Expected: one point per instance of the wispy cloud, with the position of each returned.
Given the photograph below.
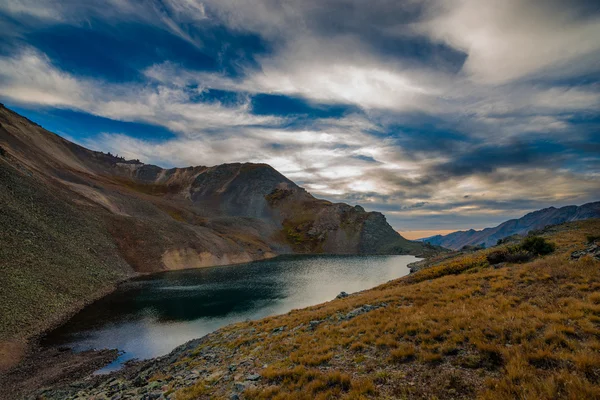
(516, 39)
(479, 110)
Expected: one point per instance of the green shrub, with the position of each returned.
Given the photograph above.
(519, 256)
(473, 247)
(592, 238)
(537, 245)
(509, 239)
(497, 257)
(511, 254)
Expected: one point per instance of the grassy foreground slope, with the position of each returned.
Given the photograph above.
(54, 258)
(459, 329)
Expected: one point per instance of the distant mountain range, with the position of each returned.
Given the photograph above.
(534, 220)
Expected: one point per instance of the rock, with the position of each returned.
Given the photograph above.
(363, 309)
(593, 250)
(417, 266)
(155, 385)
(234, 396)
(232, 367)
(215, 376)
(280, 329)
(253, 377)
(139, 382)
(342, 295)
(240, 386)
(249, 360)
(313, 324)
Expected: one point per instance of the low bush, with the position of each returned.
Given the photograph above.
(593, 238)
(519, 256)
(509, 239)
(497, 257)
(473, 248)
(525, 251)
(511, 255)
(537, 245)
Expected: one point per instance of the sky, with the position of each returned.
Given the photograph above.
(442, 114)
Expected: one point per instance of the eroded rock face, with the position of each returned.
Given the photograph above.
(190, 258)
(311, 225)
(377, 236)
(238, 189)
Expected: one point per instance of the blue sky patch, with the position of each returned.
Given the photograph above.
(81, 126)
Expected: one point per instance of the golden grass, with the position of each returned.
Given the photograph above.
(193, 392)
(460, 329)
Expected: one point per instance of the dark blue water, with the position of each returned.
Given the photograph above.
(151, 315)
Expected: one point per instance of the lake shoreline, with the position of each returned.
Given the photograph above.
(33, 363)
(24, 347)
(149, 316)
(96, 359)
(29, 343)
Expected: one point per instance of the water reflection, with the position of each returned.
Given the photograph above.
(151, 315)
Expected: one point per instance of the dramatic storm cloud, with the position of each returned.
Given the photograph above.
(443, 114)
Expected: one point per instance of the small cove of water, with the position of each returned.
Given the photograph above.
(151, 315)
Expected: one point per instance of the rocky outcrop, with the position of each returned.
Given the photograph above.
(310, 225)
(592, 250)
(522, 226)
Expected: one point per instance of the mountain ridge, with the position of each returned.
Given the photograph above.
(534, 220)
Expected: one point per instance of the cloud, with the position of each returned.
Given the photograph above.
(431, 111)
(514, 39)
(32, 8)
(172, 15)
(29, 77)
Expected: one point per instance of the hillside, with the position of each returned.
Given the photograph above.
(521, 226)
(76, 221)
(460, 329)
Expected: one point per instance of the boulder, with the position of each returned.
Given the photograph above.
(363, 309)
(593, 250)
(253, 377)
